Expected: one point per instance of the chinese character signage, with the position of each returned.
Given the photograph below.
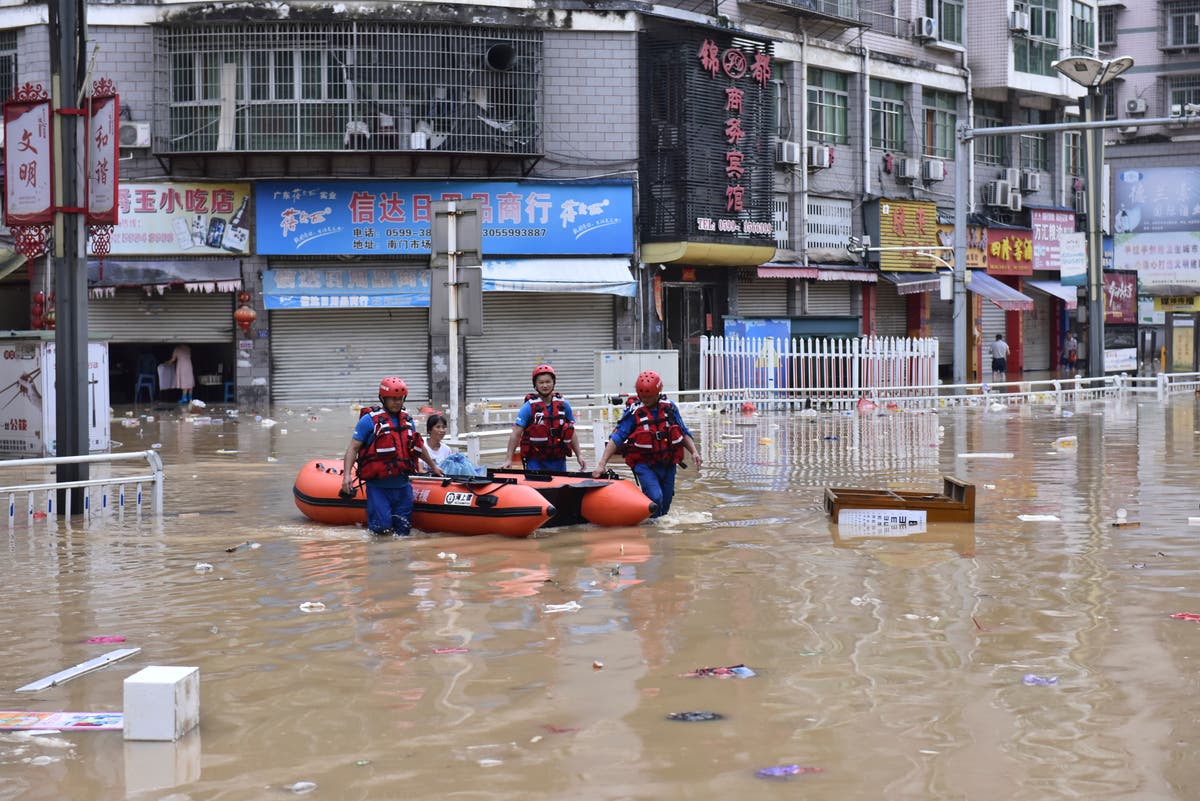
(1166, 263)
(1009, 251)
(1072, 259)
(27, 162)
(1156, 228)
(182, 219)
(344, 288)
(390, 218)
(1048, 225)
(913, 226)
(103, 162)
(1120, 298)
(1176, 303)
(976, 245)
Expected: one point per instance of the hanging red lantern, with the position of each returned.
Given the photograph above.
(243, 298)
(245, 317)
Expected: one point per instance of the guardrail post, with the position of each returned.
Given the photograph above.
(1161, 380)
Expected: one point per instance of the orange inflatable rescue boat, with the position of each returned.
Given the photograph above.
(454, 505)
(579, 498)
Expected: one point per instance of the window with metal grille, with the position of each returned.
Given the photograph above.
(1035, 51)
(354, 85)
(941, 118)
(887, 115)
(1083, 29)
(1182, 29)
(1182, 90)
(1108, 26)
(780, 221)
(828, 106)
(1035, 152)
(830, 223)
(8, 63)
(1072, 148)
(990, 149)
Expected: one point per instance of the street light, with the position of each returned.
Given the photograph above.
(1092, 73)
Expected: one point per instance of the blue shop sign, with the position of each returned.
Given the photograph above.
(344, 288)
(391, 218)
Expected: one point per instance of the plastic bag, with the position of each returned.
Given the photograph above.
(456, 464)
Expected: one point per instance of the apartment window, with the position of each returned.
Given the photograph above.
(780, 221)
(781, 108)
(941, 120)
(1108, 93)
(1036, 51)
(285, 87)
(1073, 149)
(990, 149)
(1083, 29)
(1108, 26)
(887, 115)
(1183, 90)
(949, 14)
(828, 106)
(1183, 24)
(8, 63)
(1035, 154)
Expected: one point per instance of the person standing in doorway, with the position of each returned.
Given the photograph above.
(1071, 351)
(185, 379)
(543, 434)
(999, 359)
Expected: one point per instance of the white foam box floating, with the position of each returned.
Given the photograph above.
(162, 702)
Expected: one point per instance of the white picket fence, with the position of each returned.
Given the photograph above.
(818, 372)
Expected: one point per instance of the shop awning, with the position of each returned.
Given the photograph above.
(1067, 294)
(781, 271)
(197, 275)
(912, 283)
(997, 292)
(830, 273)
(607, 276)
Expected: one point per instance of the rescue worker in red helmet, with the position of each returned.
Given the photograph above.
(543, 434)
(383, 452)
(654, 439)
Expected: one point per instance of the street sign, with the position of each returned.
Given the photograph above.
(28, 170)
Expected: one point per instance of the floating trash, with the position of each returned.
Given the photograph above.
(738, 671)
(203, 567)
(300, 788)
(784, 771)
(1186, 616)
(569, 606)
(312, 606)
(1033, 680)
(695, 717)
(105, 639)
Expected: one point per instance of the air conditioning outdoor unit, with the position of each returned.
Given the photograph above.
(133, 134)
(787, 152)
(1031, 182)
(1135, 106)
(820, 157)
(1128, 130)
(1018, 22)
(933, 170)
(1015, 202)
(926, 28)
(1012, 175)
(908, 168)
(997, 193)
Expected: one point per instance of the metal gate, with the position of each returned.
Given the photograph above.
(829, 298)
(174, 316)
(763, 297)
(891, 311)
(1036, 331)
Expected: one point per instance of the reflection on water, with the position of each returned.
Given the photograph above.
(485, 667)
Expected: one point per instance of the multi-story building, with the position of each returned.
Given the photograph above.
(648, 174)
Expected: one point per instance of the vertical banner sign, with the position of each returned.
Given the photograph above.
(1120, 299)
(1048, 226)
(908, 224)
(102, 160)
(28, 168)
(1072, 258)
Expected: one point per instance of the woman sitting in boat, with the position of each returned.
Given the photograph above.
(435, 432)
(545, 428)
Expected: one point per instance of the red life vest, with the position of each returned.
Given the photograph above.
(549, 433)
(654, 440)
(391, 451)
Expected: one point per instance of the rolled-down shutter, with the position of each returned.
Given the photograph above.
(335, 355)
(941, 327)
(829, 299)
(763, 297)
(891, 311)
(523, 329)
(174, 316)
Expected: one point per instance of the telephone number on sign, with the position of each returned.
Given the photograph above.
(514, 231)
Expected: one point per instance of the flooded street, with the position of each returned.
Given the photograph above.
(438, 667)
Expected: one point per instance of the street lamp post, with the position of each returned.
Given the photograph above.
(1092, 73)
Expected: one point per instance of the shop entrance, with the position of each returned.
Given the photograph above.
(684, 309)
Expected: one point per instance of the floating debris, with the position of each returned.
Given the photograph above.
(695, 717)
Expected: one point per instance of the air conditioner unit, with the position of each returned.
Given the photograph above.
(909, 169)
(926, 28)
(1011, 175)
(133, 134)
(787, 152)
(1031, 182)
(1135, 106)
(1081, 202)
(933, 170)
(1015, 202)
(820, 157)
(1018, 22)
(1128, 130)
(997, 193)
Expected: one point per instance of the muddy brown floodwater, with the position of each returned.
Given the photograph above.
(438, 668)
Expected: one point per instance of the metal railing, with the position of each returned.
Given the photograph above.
(101, 495)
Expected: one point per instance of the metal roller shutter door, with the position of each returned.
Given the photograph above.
(336, 355)
(829, 298)
(1035, 332)
(891, 311)
(763, 297)
(175, 316)
(524, 329)
(941, 328)
(990, 324)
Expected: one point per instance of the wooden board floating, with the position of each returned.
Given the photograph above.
(61, 721)
(956, 503)
(78, 670)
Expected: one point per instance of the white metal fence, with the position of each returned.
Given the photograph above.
(109, 494)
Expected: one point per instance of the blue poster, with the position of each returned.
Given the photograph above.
(1156, 199)
(391, 218)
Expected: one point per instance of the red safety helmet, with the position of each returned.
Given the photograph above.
(648, 381)
(544, 369)
(393, 387)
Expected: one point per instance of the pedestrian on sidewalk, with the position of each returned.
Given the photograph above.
(1071, 351)
(543, 435)
(999, 359)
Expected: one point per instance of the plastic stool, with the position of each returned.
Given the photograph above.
(230, 392)
(145, 382)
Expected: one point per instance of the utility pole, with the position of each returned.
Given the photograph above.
(68, 33)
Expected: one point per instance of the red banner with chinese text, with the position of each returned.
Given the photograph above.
(1010, 251)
